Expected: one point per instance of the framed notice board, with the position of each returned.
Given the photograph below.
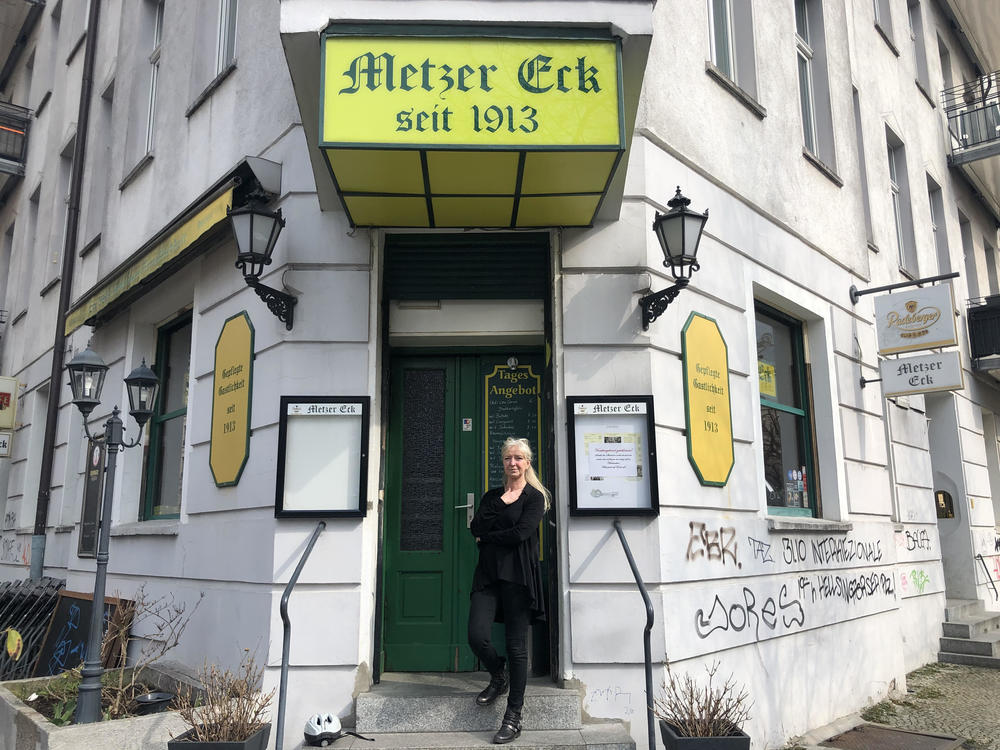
(322, 457)
(93, 486)
(612, 460)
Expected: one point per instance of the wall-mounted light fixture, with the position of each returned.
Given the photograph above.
(679, 232)
(256, 232)
(86, 379)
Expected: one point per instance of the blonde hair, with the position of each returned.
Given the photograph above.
(530, 476)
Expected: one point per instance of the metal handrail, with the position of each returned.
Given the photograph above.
(650, 721)
(989, 577)
(287, 635)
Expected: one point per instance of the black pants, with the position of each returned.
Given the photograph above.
(514, 599)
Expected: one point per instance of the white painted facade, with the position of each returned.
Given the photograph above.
(818, 617)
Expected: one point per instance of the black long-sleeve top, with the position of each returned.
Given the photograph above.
(508, 544)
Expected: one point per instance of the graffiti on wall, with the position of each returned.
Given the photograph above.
(611, 700)
(14, 550)
(713, 544)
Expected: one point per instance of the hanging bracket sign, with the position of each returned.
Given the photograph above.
(927, 373)
(915, 319)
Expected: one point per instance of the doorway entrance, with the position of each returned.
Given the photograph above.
(448, 417)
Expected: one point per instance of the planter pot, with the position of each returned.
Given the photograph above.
(256, 741)
(673, 741)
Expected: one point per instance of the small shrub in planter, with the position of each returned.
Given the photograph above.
(702, 717)
(231, 713)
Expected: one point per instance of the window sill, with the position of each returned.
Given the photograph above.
(872, 246)
(926, 93)
(90, 246)
(19, 317)
(76, 47)
(888, 40)
(210, 88)
(136, 170)
(50, 286)
(814, 525)
(42, 102)
(744, 98)
(147, 528)
(822, 167)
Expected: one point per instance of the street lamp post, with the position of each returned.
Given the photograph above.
(87, 371)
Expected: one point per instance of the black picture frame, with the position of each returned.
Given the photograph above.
(322, 457)
(606, 478)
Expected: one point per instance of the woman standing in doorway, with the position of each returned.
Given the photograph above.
(507, 584)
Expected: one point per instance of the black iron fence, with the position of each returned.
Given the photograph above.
(26, 607)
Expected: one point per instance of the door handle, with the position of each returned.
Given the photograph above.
(470, 508)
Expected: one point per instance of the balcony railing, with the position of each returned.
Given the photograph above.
(983, 315)
(14, 122)
(973, 110)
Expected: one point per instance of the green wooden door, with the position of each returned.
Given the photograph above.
(445, 414)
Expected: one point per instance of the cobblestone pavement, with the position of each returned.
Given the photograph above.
(952, 699)
(944, 699)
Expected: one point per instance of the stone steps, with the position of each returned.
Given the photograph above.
(415, 702)
(588, 737)
(971, 635)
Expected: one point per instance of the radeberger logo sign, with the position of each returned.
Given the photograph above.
(916, 319)
(470, 91)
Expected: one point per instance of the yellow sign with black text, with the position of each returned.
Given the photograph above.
(429, 128)
(232, 390)
(708, 409)
(461, 91)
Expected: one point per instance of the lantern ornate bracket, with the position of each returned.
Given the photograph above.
(256, 232)
(679, 234)
(281, 304)
(655, 304)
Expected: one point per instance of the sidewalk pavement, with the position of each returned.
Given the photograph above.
(958, 700)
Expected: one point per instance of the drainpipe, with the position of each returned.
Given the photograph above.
(65, 295)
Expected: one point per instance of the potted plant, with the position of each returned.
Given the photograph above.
(229, 712)
(702, 717)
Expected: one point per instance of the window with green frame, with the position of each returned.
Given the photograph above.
(167, 428)
(789, 477)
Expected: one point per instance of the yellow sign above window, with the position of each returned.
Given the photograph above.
(431, 130)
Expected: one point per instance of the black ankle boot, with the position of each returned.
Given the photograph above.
(497, 687)
(510, 728)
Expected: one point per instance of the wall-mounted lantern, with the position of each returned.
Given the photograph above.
(679, 233)
(256, 232)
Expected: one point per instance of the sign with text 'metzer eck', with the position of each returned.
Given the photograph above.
(463, 91)
(706, 399)
(915, 319)
(232, 388)
(927, 373)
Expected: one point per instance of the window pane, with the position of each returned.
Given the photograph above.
(805, 98)
(776, 362)
(784, 459)
(175, 386)
(168, 500)
(801, 20)
(720, 25)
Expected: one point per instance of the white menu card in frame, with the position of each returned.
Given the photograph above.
(322, 457)
(612, 462)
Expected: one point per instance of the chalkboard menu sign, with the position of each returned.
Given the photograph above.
(513, 402)
(93, 483)
(65, 642)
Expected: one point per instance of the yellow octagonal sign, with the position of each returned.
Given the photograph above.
(707, 406)
(232, 387)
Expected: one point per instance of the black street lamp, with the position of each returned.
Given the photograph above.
(679, 233)
(86, 378)
(256, 232)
